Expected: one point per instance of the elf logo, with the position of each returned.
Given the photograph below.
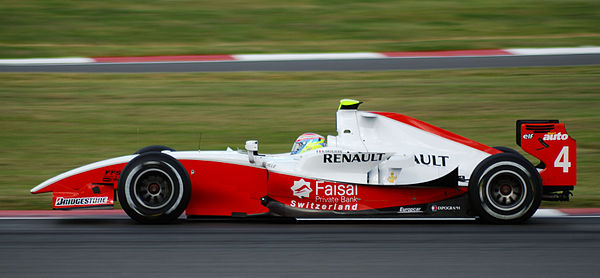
(555, 137)
(528, 136)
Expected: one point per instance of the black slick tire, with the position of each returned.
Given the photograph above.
(505, 188)
(153, 148)
(507, 150)
(154, 188)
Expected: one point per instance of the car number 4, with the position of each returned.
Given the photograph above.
(562, 160)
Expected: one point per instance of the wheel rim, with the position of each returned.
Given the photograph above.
(506, 190)
(153, 189)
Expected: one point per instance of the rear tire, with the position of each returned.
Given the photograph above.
(505, 188)
(154, 188)
(507, 150)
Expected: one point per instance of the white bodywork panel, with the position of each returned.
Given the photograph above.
(369, 149)
(409, 155)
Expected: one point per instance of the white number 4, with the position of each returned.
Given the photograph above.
(563, 160)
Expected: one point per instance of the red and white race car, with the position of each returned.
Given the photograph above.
(379, 166)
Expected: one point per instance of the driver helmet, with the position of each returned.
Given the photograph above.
(307, 142)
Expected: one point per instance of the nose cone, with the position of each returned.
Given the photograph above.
(105, 171)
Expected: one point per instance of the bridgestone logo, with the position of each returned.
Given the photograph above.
(61, 202)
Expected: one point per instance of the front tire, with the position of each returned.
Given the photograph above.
(154, 188)
(505, 188)
(153, 148)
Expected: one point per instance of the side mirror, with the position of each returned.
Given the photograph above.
(252, 145)
(252, 148)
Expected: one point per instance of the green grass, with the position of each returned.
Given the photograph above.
(52, 123)
(51, 28)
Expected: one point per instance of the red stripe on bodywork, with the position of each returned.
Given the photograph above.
(180, 58)
(438, 131)
(449, 53)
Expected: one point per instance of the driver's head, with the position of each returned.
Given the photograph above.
(307, 142)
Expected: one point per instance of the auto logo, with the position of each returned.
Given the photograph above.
(301, 188)
(553, 136)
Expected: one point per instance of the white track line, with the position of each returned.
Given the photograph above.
(555, 50)
(543, 213)
(311, 56)
(50, 61)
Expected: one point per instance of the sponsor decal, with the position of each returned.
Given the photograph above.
(339, 189)
(435, 208)
(352, 157)
(111, 176)
(410, 210)
(392, 178)
(301, 189)
(318, 206)
(327, 195)
(528, 136)
(553, 136)
(431, 160)
(329, 151)
(61, 201)
(271, 165)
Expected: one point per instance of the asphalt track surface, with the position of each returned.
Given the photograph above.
(543, 247)
(320, 65)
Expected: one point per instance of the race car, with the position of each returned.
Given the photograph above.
(380, 165)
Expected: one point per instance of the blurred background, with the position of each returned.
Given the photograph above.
(52, 123)
(57, 28)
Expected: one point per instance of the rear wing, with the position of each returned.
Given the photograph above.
(548, 141)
